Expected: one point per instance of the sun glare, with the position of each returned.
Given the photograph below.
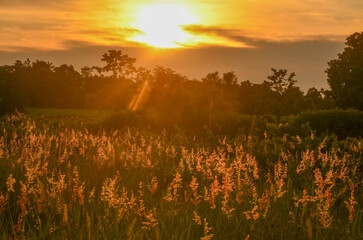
(162, 25)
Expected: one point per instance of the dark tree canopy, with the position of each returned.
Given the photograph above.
(345, 74)
(119, 64)
(170, 97)
(279, 81)
(282, 85)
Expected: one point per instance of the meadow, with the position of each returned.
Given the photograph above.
(60, 182)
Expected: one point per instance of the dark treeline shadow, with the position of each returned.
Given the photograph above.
(171, 99)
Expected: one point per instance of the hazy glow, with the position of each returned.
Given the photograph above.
(162, 24)
(66, 24)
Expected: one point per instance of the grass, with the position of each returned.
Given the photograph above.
(69, 116)
(64, 183)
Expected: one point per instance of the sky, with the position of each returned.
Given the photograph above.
(191, 37)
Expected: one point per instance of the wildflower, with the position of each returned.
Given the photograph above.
(194, 186)
(206, 196)
(91, 195)
(3, 201)
(10, 183)
(153, 185)
(214, 191)
(141, 208)
(305, 199)
(264, 203)
(78, 188)
(109, 192)
(324, 197)
(319, 182)
(150, 221)
(343, 172)
(196, 218)
(61, 184)
(280, 171)
(253, 213)
(226, 209)
(18, 226)
(207, 229)
(173, 188)
(350, 205)
(140, 191)
(324, 215)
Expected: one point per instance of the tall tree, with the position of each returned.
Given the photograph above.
(280, 82)
(121, 65)
(230, 78)
(345, 74)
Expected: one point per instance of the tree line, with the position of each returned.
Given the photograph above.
(40, 84)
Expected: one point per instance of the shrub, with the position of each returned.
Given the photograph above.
(342, 123)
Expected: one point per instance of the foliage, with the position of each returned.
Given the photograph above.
(282, 86)
(69, 117)
(279, 82)
(119, 64)
(59, 183)
(342, 123)
(345, 74)
(40, 84)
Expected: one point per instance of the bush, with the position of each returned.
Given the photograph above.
(342, 123)
(123, 120)
(191, 123)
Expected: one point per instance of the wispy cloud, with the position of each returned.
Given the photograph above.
(48, 24)
(237, 35)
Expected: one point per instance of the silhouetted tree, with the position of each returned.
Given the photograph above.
(119, 64)
(279, 82)
(230, 78)
(13, 88)
(256, 98)
(69, 87)
(212, 79)
(345, 74)
(320, 98)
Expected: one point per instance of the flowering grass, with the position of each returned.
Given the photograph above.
(74, 184)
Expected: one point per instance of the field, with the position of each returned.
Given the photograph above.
(69, 117)
(59, 182)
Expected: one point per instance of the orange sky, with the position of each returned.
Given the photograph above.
(38, 27)
(52, 24)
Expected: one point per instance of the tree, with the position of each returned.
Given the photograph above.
(212, 79)
(320, 98)
(13, 87)
(119, 64)
(230, 78)
(281, 84)
(279, 81)
(345, 74)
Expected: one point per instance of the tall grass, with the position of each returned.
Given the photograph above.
(58, 183)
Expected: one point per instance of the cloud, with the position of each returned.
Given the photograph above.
(227, 33)
(106, 31)
(38, 3)
(237, 35)
(73, 44)
(26, 25)
(15, 49)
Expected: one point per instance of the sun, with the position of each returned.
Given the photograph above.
(162, 25)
